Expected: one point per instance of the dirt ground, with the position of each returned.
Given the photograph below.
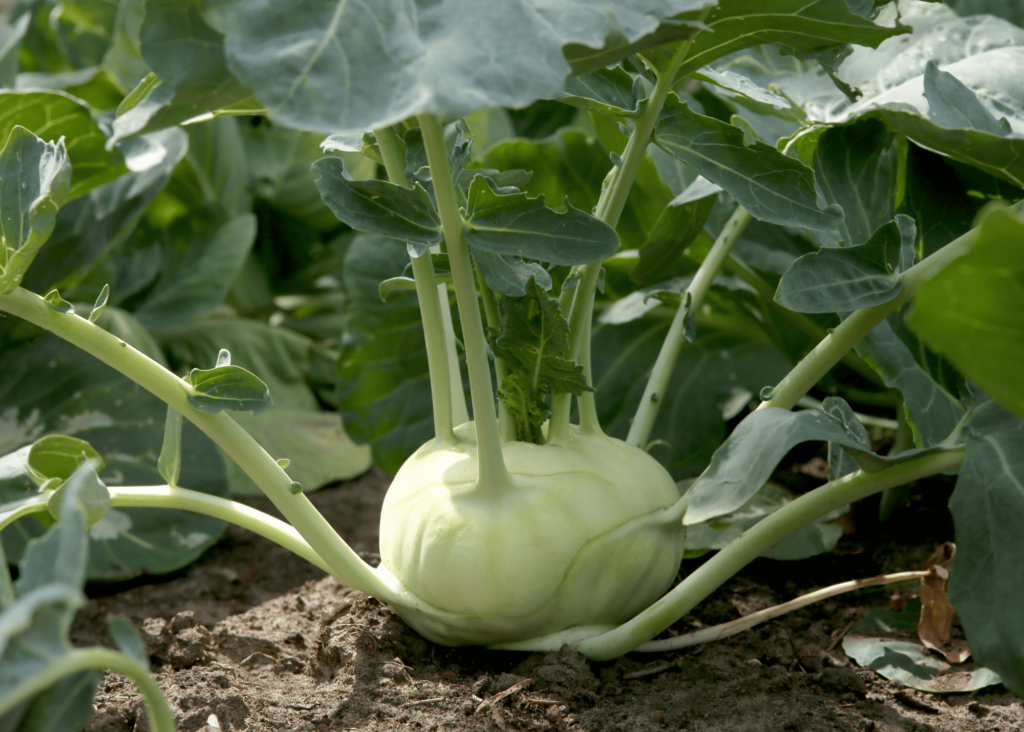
(253, 638)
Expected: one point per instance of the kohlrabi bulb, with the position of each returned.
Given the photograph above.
(572, 539)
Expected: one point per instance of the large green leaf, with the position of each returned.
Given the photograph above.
(34, 627)
(770, 185)
(803, 27)
(52, 115)
(988, 509)
(858, 167)
(91, 228)
(35, 178)
(48, 388)
(923, 103)
(190, 75)
(682, 221)
(931, 410)
(815, 538)
(294, 427)
(746, 460)
(710, 373)
(513, 224)
(196, 280)
(331, 65)
(10, 44)
(847, 279)
(971, 311)
(383, 384)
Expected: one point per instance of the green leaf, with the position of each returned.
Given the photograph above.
(815, 538)
(988, 510)
(378, 207)
(35, 179)
(227, 387)
(772, 186)
(48, 387)
(55, 115)
(198, 279)
(294, 427)
(607, 91)
(169, 462)
(517, 225)
(843, 280)
(573, 164)
(856, 166)
(279, 163)
(325, 65)
(970, 311)
(190, 78)
(908, 662)
(739, 84)
(127, 638)
(713, 373)
(384, 383)
(34, 629)
(100, 304)
(746, 460)
(931, 410)
(953, 105)
(104, 221)
(678, 226)
(319, 450)
(10, 44)
(93, 497)
(803, 28)
(58, 456)
(509, 275)
(58, 303)
(123, 58)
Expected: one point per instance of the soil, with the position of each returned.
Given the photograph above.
(253, 638)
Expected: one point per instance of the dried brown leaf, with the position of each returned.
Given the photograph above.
(936, 610)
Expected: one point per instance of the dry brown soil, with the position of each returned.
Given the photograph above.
(253, 638)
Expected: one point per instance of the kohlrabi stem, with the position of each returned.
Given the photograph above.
(609, 208)
(506, 422)
(183, 499)
(589, 423)
(491, 461)
(849, 333)
(799, 320)
(724, 630)
(430, 304)
(344, 563)
(661, 374)
(95, 659)
(754, 541)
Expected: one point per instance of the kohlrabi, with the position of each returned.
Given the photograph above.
(527, 526)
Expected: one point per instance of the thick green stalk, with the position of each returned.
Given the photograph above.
(849, 333)
(661, 374)
(802, 322)
(183, 499)
(506, 423)
(95, 659)
(345, 564)
(609, 208)
(491, 461)
(589, 423)
(753, 542)
(430, 304)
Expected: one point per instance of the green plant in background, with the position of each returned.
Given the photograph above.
(688, 204)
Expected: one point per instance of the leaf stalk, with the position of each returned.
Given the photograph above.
(661, 374)
(492, 469)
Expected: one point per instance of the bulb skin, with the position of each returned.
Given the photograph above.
(571, 538)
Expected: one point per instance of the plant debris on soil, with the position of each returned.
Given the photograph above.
(252, 638)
